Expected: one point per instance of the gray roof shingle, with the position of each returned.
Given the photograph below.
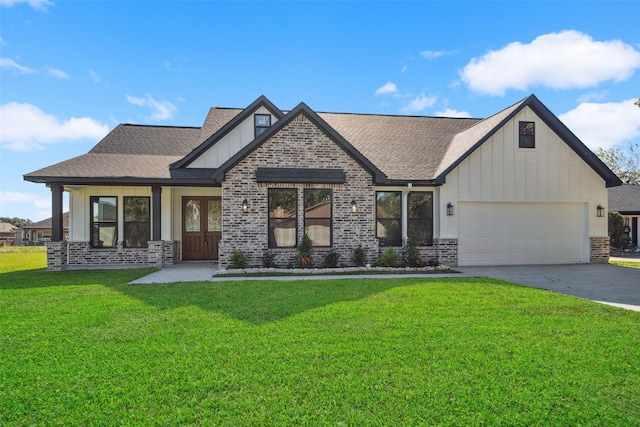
(625, 198)
(404, 148)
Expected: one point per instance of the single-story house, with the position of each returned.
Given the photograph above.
(515, 188)
(625, 199)
(40, 232)
(7, 233)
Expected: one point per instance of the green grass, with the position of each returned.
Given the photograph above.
(623, 263)
(84, 348)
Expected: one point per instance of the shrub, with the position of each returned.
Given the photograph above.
(616, 224)
(389, 258)
(433, 262)
(410, 254)
(268, 259)
(359, 257)
(303, 257)
(331, 259)
(238, 260)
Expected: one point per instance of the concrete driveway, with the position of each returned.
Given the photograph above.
(606, 283)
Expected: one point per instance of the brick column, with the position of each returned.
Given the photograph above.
(56, 256)
(600, 250)
(155, 253)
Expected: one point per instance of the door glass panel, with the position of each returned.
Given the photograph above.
(214, 217)
(192, 216)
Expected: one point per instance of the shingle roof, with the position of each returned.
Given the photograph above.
(46, 223)
(404, 148)
(625, 198)
(5, 227)
(129, 151)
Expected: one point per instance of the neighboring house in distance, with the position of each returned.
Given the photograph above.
(515, 188)
(7, 233)
(40, 232)
(625, 199)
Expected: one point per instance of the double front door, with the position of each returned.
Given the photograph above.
(201, 227)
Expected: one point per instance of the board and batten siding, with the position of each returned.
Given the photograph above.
(231, 143)
(500, 171)
(79, 201)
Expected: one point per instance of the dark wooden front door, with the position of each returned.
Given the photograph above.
(201, 227)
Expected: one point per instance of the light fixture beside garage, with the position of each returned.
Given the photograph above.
(354, 206)
(245, 206)
(449, 209)
(600, 210)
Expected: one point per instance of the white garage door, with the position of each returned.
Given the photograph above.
(521, 233)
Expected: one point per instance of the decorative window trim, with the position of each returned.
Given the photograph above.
(526, 134)
(272, 244)
(125, 222)
(411, 221)
(261, 123)
(388, 242)
(92, 223)
(330, 217)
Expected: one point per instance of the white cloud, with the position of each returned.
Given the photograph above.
(24, 127)
(57, 73)
(568, 59)
(160, 110)
(434, 54)
(36, 4)
(11, 64)
(95, 76)
(419, 103)
(448, 112)
(386, 89)
(593, 96)
(604, 125)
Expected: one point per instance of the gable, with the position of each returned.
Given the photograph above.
(499, 170)
(228, 145)
(467, 142)
(230, 138)
(299, 134)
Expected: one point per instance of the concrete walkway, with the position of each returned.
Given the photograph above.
(609, 284)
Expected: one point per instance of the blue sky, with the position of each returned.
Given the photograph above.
(70, 71)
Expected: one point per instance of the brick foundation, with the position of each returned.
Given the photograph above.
(600, 250)
(157, 254)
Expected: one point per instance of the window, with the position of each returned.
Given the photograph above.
(389, 218)
(262, 123)
(420, 217)
(104, 221)
(283, 217)
(137, 226)
(317, 215)
(527, 138)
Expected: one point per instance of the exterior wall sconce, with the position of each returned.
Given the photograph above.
(354, 206)
(449, 209)
(245, 206)
(600, 210)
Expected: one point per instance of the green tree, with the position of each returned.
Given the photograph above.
(624, 163)
(18, 222)
(616, 222)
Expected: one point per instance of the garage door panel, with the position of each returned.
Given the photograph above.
(520, 233)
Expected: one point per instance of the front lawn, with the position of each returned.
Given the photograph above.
(84, 348)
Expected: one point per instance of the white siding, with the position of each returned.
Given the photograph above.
(500, 171)
(231, 143)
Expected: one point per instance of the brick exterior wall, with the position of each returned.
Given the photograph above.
(600, 249)
(56, 256)
(158, 254)
(299, 144)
